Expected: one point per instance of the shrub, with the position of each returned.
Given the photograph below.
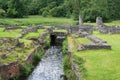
(65, 46)
(45, 13)
(37, 57)
(26, 70)
(2, 13)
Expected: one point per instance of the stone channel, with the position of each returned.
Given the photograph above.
(50, 67)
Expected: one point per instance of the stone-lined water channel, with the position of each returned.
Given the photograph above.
(50, 67)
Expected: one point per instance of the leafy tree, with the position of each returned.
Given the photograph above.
(17, 8)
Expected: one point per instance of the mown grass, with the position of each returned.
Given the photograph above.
(102, 64)
(35, 20)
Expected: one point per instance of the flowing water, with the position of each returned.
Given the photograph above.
(50, 67)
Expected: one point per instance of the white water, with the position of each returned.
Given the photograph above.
(50, 67)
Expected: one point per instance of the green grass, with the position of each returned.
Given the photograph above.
(15, 33)
(34, 34)
(102, 64)
(83, 41)
(34, 20)
(65, 31)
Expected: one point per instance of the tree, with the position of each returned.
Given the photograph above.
(17, 8)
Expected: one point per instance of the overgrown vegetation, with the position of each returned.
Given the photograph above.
(68, 73)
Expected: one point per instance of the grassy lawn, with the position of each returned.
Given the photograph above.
(34, 20)
(102, 64)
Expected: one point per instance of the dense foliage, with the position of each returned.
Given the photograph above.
(88, 9)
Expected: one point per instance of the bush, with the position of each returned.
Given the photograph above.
(2, 13)
(45, 13)
(37, 57)
(65, 46)
(12, 13)
(59, 11)
(26, 70)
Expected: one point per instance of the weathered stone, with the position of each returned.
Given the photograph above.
(110, 30)
(96, 46)
(80, 20)
(99, 22)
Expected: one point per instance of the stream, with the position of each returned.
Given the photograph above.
(50, 67)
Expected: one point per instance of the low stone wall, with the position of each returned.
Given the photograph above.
(96, 46)
(9, 71)
(74, 67)
(95, 39)
(109, 30)
(12, 28)
(30, 29)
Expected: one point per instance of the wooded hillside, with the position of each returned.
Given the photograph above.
(88, 9)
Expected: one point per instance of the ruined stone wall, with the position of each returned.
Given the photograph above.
(96, 46)
(97, 43)
(109, 30)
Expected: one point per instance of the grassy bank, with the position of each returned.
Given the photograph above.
(34, 20)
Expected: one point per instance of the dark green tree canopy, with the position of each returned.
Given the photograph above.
(88, 9)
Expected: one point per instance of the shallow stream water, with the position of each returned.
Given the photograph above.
(50, 67)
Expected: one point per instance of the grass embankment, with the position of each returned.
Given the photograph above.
(37, 20)
(102, 64)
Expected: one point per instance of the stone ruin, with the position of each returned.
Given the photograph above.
(80, 20)
(110, 30)
(31, 29)
(83, 28)
(99, 22)
(7, 27)
(97, 43)
(106, 29)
